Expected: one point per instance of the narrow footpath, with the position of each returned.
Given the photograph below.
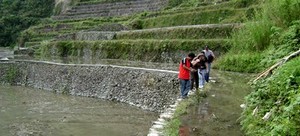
(218, 113)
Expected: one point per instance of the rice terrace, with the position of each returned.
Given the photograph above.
(149, 67)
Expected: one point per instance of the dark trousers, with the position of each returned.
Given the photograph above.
(194, 80)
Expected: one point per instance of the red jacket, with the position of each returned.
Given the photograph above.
(184, 73)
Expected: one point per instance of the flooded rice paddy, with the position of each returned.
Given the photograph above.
(31, 112)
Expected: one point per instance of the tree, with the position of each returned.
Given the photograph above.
(18, 15)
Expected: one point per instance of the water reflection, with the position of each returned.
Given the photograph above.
(26, 111)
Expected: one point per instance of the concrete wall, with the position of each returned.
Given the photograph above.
(145, 88)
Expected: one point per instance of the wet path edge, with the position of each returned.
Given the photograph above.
(218, 113)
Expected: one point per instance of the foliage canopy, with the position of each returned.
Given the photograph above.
(18, 15)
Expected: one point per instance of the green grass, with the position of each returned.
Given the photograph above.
(172, 126)
(219, 13)
(278, 94)
(175, 10)
(194, 18)
(30, 44)
(88, 2)
(206, 32)
(272, 33)
(143, 50)
(243, 62)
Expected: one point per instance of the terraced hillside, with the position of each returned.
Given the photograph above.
(160, 36)
(100, 9)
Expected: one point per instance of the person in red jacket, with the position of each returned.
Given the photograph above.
(184, 74)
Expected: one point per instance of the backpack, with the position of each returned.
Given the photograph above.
(210, 58)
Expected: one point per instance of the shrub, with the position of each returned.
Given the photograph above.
(244, 62)
(278, 94)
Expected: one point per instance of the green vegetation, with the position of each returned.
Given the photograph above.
(272, 34)
(197, 17)
(172, 126)
(271, 31)
(11, 75)
(279, 95)
(200, 32)
(144, 50)
(18, 15)
(86, 2)
(220, 13)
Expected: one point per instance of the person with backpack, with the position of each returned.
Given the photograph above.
(210, 58)
(184, 74)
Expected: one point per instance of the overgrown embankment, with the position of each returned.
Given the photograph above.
(273, 106)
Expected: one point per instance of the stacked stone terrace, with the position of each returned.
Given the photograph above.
(165, 35)
(112, 9)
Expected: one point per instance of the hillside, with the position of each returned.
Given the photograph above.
(164, 35)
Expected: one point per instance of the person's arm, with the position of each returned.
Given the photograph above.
(184, 66)
(206, 64)
(212, 54)
(195, 61)
(187, 68)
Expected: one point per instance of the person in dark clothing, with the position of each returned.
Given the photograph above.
(201, 63)
(194, 77)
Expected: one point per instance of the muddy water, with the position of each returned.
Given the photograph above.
(218, 114)
(26, 111)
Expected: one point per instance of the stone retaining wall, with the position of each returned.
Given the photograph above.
(94, 35)
(146, 88)
(112, 9)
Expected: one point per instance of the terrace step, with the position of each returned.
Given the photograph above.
(111, 9)
(170, 50)
(119, 4)
(182, 32)
(101, 8)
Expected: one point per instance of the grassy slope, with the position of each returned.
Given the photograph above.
(271, 35)
(220, 13)
(141, 49)
(172, 17)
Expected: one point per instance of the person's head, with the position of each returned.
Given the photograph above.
(206, 47)
(191, 55)
(202, 55)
